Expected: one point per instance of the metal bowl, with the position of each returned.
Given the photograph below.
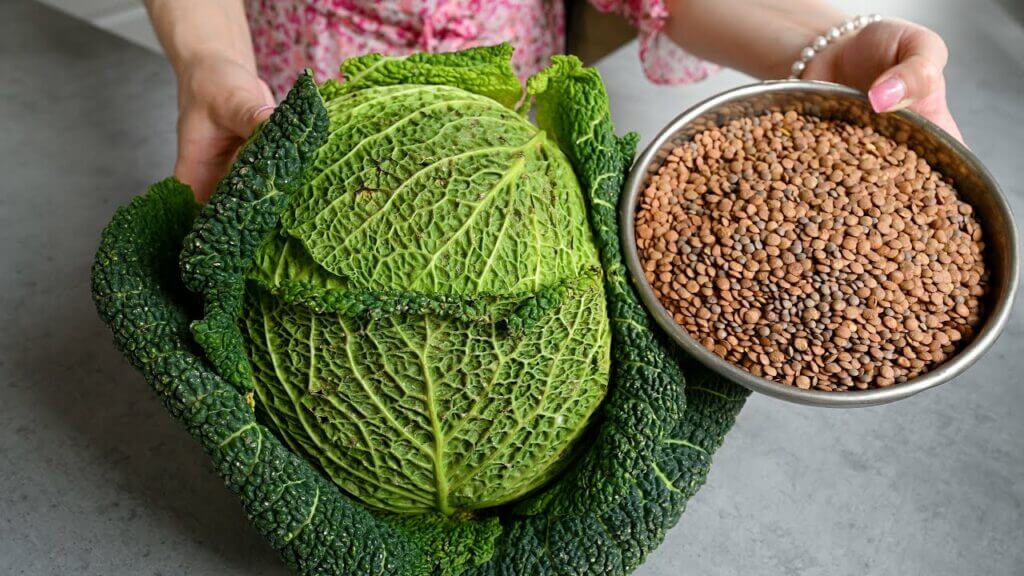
(832, 101)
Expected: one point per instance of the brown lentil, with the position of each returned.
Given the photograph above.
(813, 252)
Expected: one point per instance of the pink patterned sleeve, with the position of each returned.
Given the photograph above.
(664, 62)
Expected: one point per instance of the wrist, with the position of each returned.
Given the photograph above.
(198, 74)
(821, 58)
(759, 37)
(803, 32)
(826, 62)
(194, 31)
(198, 58)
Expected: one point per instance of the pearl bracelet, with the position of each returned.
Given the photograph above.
(821, 42)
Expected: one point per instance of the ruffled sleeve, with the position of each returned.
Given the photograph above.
(663, 61)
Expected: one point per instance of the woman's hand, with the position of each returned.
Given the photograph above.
(220, 103)
(221, 100)
(898, 63)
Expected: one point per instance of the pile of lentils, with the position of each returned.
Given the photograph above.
(812, 252)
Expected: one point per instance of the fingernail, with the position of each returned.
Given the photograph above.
(259, 111)
(889, 95)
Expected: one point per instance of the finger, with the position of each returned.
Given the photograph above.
(202, 171)
(936, 110)
(201, 176)
(242, 112)
(946, 122)
(917, 75)
(204, 154)
(268, 94)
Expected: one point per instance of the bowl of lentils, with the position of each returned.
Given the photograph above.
(797, 243)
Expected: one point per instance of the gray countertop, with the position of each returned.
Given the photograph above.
(95, 478)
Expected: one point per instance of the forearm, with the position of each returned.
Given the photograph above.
(759, 37)
(192, 29)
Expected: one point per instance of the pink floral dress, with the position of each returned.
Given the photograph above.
(290, 35)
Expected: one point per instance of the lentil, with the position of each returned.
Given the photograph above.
(816, 253)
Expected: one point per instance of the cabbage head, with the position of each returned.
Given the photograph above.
(403, 331)
(428, 321)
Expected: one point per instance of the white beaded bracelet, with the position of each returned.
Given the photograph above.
(821, 42)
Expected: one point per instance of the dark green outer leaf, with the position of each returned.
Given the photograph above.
(646, 398)
(239, 217)
(653, 450)
(316, 528)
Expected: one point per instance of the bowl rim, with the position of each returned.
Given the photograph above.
(997, 317)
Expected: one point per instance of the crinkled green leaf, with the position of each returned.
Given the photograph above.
(646, 398)
(412, 413)
(434, 189)
(316, 528)
(653, 451)
(243, 212)
(486, 71)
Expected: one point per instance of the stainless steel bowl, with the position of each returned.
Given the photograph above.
(827, 100)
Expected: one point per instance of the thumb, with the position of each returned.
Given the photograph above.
(242, 113)
(917, 76)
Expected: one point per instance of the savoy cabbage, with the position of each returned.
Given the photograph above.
(467, 215)
(414, 303)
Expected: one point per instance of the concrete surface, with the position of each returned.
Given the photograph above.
(124, 18)
(95, 479)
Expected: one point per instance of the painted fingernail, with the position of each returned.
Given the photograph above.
(889, 95)
(259, 111)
